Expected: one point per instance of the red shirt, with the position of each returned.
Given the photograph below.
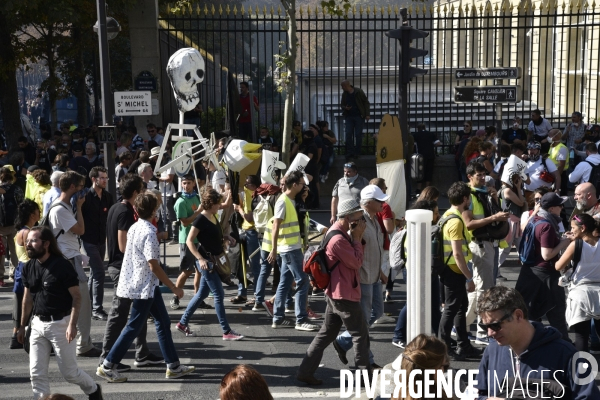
(545, 236)
(245, 102)
(344, 283)
(386, 213)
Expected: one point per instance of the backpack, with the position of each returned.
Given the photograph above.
(527, 246)
(315, 263)
(9, 203)
(498, 183)
(46, 220)
(496, 230)
(594, 175)
(438, 263)
(262, 213)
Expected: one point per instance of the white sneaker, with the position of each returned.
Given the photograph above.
(111, 375)
(308, 327)
(179, 372)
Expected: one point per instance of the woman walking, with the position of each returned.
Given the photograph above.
(207, 230)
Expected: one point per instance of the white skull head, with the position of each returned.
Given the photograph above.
(186, 71)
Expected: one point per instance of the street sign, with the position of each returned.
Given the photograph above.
(487, 94)
(106, 134)
(146, 81)
(488, 73)
(133, 103)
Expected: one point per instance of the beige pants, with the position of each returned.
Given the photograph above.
(483, 278)
(8, 239)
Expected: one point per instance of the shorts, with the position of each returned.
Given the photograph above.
(186, 258)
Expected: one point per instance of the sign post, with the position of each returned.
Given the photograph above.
(487, 94)
(133, 103)
(488, 73)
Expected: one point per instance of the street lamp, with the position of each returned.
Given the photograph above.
(106, 28)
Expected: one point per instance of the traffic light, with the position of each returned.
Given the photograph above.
(406, 34)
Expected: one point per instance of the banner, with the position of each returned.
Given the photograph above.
(514, 165)
(299, 164)
(269, 166)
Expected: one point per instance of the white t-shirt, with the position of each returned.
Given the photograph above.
(218, 179)
(137, 280)
(587, 269)
(169, 186)
(279, 213)
(62, 217)
(582, 171)
(534, 169)
(541, 129)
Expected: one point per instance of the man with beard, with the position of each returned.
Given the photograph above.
(540, 127)
(586, 201)
(52, 295)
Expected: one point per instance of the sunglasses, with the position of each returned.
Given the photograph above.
(495, 326)
(538, 200)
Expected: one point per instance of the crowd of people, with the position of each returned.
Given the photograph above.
(58, 218)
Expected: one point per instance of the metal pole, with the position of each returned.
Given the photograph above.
(107, 101)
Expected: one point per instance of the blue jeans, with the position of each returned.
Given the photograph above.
(139, 317)
(254, 262)
(400, 331)
(265, 272)
(328, 163)
(210, 282)
(353, 127)
(371, 303)
(291, 270)
(96, 279)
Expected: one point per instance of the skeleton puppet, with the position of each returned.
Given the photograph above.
(186, 70)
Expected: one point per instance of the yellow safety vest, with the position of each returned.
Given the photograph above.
(448, 244)
(289, 229)
(247, 209)
(553, 153)
(478, 211)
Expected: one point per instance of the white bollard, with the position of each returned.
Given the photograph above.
(418, 272)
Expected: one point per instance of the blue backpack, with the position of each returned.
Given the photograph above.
(527, 245)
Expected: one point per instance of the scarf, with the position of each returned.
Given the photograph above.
(266, 189)
(554, 220)
(189, 195)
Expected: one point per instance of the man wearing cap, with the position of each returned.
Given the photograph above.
(539, 284)
(78, 161)
(344, 255)
(348, 187)
(371, 276)
(537, 172)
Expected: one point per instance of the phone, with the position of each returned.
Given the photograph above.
(82, 192)
(210, 265)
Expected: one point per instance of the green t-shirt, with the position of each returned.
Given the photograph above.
(184, 208)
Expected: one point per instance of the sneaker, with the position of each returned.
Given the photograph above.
(468, 352)
(111, 375)
(258, 307)
(453, 333)
(173, 242)
(594, 348)
(174, 303)
(269, 308)
(388, 298)
(232, 335)
(290, 311)
(313, 316)
(205, 306)
(284, 323)
(122, 367)
(471, 337)
(309, 380)
(501, 278)
(97, 395)
(184, 329)
(399, 343)
(100, 315)
(179, 372)
(150, 359)
(2, 284)
(483, 340)
(307, 327)
(384, 319)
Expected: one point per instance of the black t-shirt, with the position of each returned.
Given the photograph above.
(210, 236)
(311, 167)
(509, 135)
(120, 218)
(424, 141)
(49, 284)
(268, 143)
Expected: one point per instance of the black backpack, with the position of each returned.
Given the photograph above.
(9, 202)
(438, 261)
(496, 230)
(594, 175)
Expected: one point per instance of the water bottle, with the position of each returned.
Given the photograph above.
(572, 154)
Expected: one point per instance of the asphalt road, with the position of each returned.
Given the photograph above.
(276, 354)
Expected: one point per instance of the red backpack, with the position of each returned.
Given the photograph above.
(315, 262)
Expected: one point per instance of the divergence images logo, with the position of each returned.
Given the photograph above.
(584, 368)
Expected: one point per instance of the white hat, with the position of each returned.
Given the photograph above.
(155, 151)
(373, 192)
(348, 206)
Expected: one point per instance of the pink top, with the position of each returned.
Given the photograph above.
(345, 279)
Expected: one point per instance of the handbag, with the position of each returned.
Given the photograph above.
(220, 262)
(546, 176)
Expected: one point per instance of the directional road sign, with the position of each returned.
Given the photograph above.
(488, 73)
(133, 103)
(487, 94)
(106, 134)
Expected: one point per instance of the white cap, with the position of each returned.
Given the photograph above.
(373, 192)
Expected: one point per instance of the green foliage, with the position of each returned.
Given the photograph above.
(332, 7)
(213, 120)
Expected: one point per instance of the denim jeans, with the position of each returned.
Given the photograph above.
(353, 127)
(265, 271)
(400, 331)
(140, 308)
(328, 163)
(210, 282)
(371, 302)
(253, 264)
(291, 270)
(96, 279)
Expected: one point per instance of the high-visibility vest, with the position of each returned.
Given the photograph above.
(247, 209)
(553, 153)
(478, 211)
(448, 243)
(289, 229)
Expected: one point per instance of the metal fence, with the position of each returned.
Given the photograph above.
(556, 47)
